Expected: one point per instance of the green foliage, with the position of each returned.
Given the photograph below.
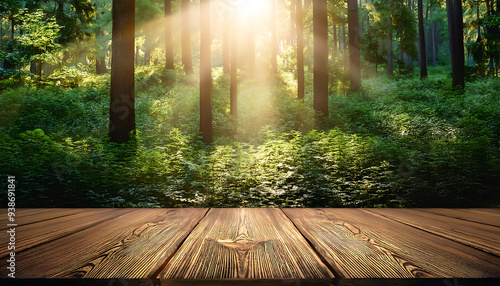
(372, 47)
(444, 145)
(40, 34)
(399, 142)
(392, 19)
(477, 50)
(58, 112)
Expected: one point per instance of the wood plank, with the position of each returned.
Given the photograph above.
(485, 216)
(28, 216)
(260, 244)
(47, 230)
(132, 246)
(359, 244)
(246, 282)
(480, 236)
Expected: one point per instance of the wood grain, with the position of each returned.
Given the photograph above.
(480, 236)
(28, 216)
(484, 216)
(35, 233)
(359, 244)
(243, 244)
(133, 246)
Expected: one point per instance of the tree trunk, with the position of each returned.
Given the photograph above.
(477, 18)
(122, 112)
(401, 53)
(226, 44)
(39, 69)
(489, 10)
(233, 97)
(147, 48)
(354, 46)
(334, 40)
(100, 65)
(293, 21)
(205, 73)
(390, 61)
(136, 55)
(300, 50)
(250, 57)
(33, 67)
(423, 58)
(186, 37)
(307, 60)
(434, 44)
(344, 40)
(455, 27)
(320, 30)
(459, 70)
(450, 12)
(274, 39)
(169, 47)
(100, 61)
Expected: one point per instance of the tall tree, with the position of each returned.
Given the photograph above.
(434, 44)
(320, 31)
(122, 111)
(169, 48)
(205, 73)
(102, 22)
(423, 57)
(354, 46)
(390, 61)
(100, 64)
(300, 50)
(455, 31)
(250, 45)
(334, 39)
(226, 43)
(186, 36)
(233, 93)
(274, 39)
(344, 40)
(148, 45)
(371, 44)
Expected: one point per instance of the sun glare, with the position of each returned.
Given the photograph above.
(254, 6)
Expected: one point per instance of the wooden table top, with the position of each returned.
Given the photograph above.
(249, 246)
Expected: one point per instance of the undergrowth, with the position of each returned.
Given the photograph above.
(397, 143)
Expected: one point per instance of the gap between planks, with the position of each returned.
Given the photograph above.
(335, 271)
(154, 276)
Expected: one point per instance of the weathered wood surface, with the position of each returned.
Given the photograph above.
(360, 244)
(246, 244)
(480, 236)
(49, 229)
(255, 246)
(133, 245)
